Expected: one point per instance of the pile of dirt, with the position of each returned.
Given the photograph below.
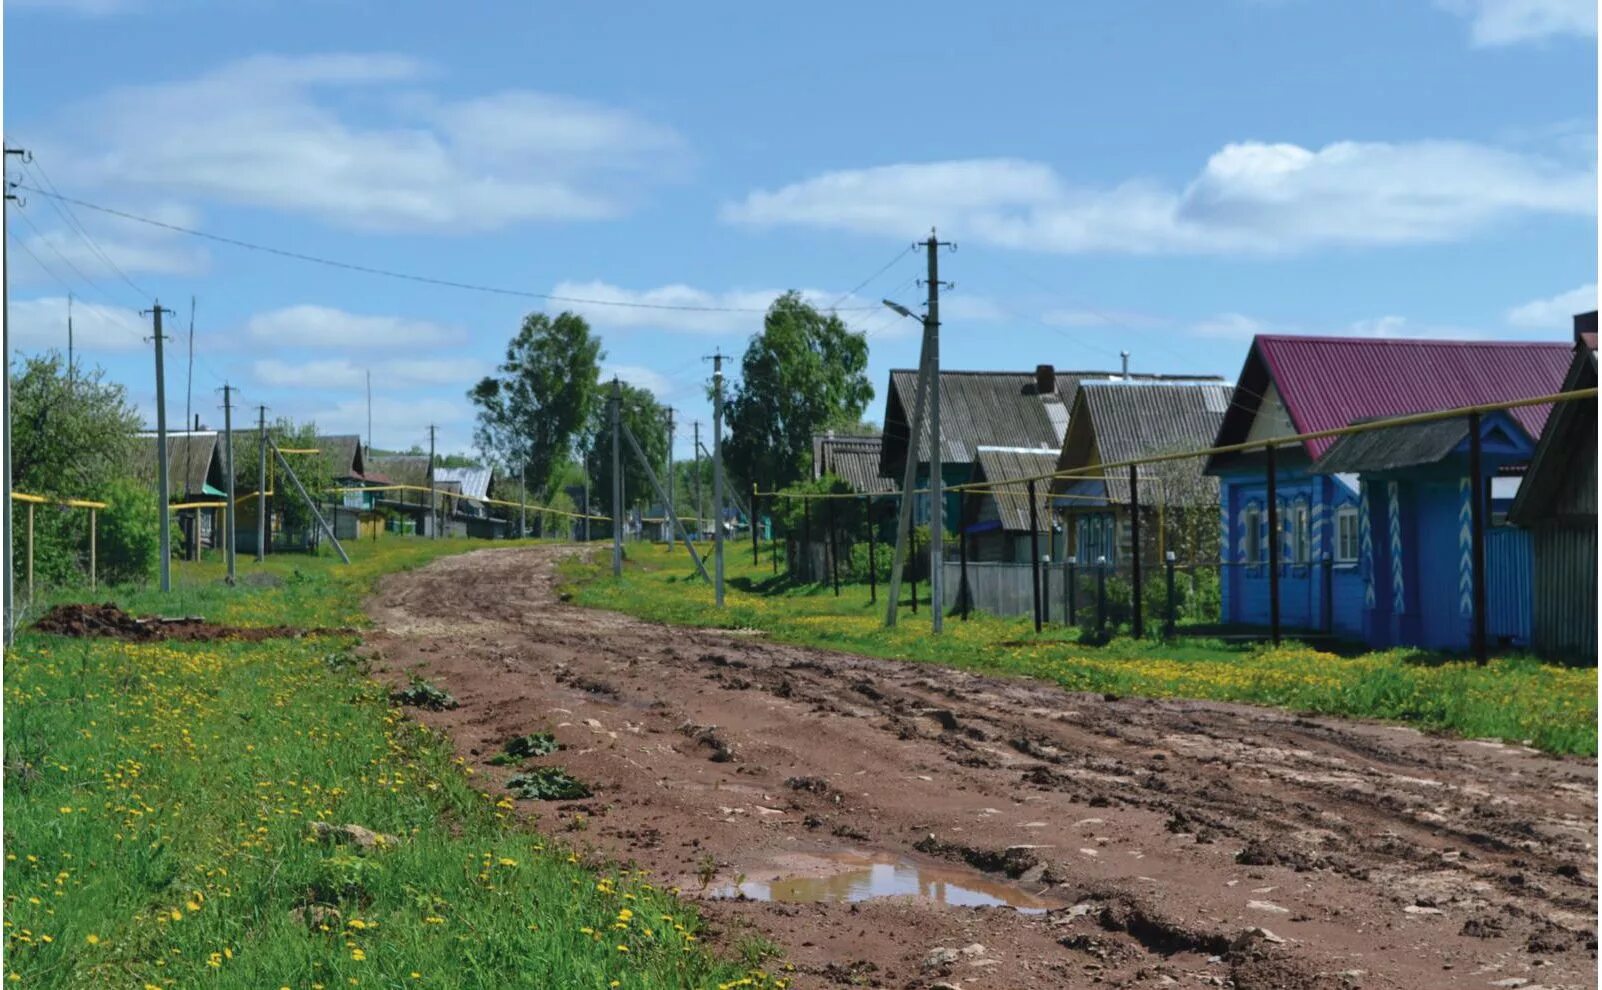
(110, 621)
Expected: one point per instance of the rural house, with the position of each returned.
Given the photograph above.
(1018, 409)
(995, 522)
(194, 474)
(1557, 504)
(1112, 422)
(852, 459)
(1331, 576)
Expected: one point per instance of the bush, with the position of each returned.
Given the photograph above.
(130, 533)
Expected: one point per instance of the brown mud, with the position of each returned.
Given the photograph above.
(110, 621)
(1170, 843)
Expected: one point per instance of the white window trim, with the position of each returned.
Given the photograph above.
(1343, 513)
(1253, 524)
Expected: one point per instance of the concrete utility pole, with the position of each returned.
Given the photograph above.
(617, 482)
(261, 485)
(717, 475)
(668, 502)
(5, 316)
(228, 453)
(163, 496)
(697, 455)
(522, 502)
(433, 502)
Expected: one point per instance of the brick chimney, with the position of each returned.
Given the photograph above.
(1584, 323)
(1046, 379)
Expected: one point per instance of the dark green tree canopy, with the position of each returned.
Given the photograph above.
(71, 432)
(532, 410)
(647, 419)
(803, 374)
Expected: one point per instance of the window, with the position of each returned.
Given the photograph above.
(1301, 535)
(1346, 543)
(1253, 526)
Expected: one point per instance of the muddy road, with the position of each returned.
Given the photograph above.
(1037, 838)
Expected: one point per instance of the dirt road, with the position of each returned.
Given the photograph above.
(1147, 843)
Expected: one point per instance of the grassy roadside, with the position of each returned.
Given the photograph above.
(1516, 699)
(159, 800)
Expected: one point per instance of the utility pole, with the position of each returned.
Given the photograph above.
(433, 503)
(617, 483)
(228, 452)
(717, 475)
(5, 316)
(697, 455)
(668, 505)
(69, 343)
(163, 496)
(261, 484)
(522, 502)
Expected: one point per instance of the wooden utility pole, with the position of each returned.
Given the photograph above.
(668, 498)
(163, 496)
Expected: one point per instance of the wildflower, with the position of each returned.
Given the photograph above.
(622, 948)
(358, 955)
(92, 939)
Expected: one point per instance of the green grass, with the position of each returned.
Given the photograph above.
(1513, 698)
(159, 800)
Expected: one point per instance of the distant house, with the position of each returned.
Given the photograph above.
(472, 484)
(1331, 522)
(1018, 409)
(1113, 422)
(996, 522)
(408, 503)
(1557, 503)
(194, 474)
(852, 459)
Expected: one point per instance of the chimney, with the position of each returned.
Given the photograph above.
(1584, 323)
(1045, 379)
(197, 422)
(1125, 356)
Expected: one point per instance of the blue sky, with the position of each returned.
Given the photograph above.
(1166, 178)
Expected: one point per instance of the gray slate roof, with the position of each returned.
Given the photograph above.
(854, 460)
(1396, 447)
(193, 459)
(403, 469)
(1012, 501)
(1122, 421)
(474, 482)
(1570, 425)
(1000, 408)
(343, 455)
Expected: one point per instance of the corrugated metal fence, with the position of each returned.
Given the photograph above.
(1509, 570)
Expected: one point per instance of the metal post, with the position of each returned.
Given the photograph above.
(522, 502)
(94, 563)
(937, 526)
(617, 484)
(904, 527)
(229, 515)
(806, 540)
(670, 481)
(6, 196)
(1072, 591)
(717, 472)
(834, 551)
(913, 580)
(328, 530)
(873, 563)
(1101, 596)
(1477, 524)
(1168, 630)
(774, 542)
(433, 503)
(697, 453)
(966, 589)
(30, 553)
(1273, 546)
(261, 483)
(1034, 550)
(1137, 592)
(673, 518)
(754, 503)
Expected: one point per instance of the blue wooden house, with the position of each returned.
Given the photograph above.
(1330, 518)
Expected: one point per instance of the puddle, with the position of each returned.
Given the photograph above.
(850, 877)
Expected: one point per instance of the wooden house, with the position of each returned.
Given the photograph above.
(996, 522)
(1330, 576)
(1557, 503)
(194, 474)
(1113, 422)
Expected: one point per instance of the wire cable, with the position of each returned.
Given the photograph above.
(64, 210)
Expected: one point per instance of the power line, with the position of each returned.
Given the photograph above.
(71, 219)
(404, 276)
(47, 242)
(859, 287)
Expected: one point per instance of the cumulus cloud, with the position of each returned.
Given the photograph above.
(1249, 197)
(699, 311)
(326, 327)
(1556, 312)
(399, 422)
(41, 324)
(278, 132)
(345, 373)
(1507, 22)
(1241, 327)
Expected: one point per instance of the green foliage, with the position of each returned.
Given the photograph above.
(804, 373)
(421, 694)
(547, 784)
(647, 419)
(533, 744)
(129, 534)
(530, 414)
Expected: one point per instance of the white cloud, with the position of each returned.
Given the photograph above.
(640, 377)
(398, 423)
(67, 252)
(1506, 22)
(1250, 197)
(277, 132)
(1233, 326)
(1556, 312)
(344, 373)
(82, 8)
(325, 327)
(41, 324)
(701, 311)
(1240, 327)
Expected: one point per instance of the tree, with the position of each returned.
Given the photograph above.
(545, 393)
(803, 374)
(646, 419)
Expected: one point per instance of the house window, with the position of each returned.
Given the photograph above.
(1346, 543)
(1301, 535)
(1253, 526)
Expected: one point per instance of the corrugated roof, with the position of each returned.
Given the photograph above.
(1122, 421)
(1565, 430)
(1000, 408)
(473, 482)
(342, 453)
(1330, 382)
(190, 458)
(403, 469)
(1389, 449)
(854, 460)
(1012, 502)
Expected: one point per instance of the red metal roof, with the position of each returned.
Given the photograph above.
(1330, 382)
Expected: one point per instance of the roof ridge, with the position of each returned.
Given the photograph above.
(1567, 345)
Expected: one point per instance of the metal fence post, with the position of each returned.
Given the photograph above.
(1101, 596)
(94, 570)
(873, 577)
(1173, 606)
(912, 569)
(1477, 525)
(1137, 592)
(834, 550)
(1274, 539)
(964, 590)
(1071, 591)
(806, 539)
(1034, 550)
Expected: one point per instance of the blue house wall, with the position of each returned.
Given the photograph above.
(1313, 595)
